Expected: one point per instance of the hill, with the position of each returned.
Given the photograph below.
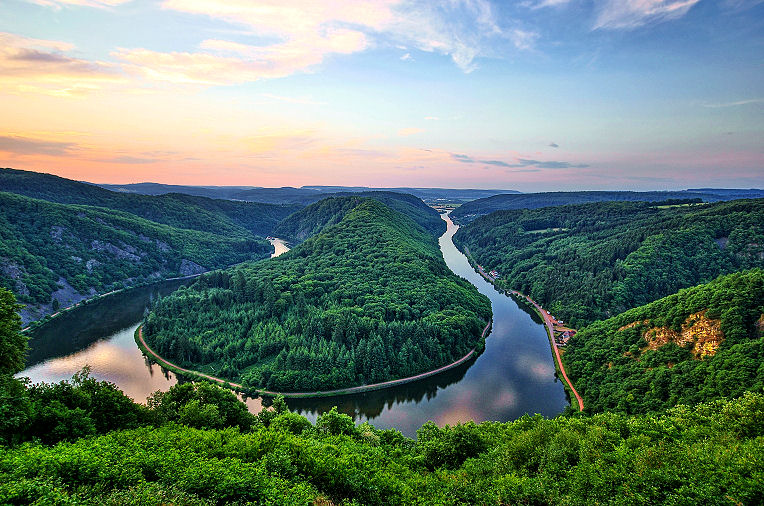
(480, 207)
(54, 255)
(177, 210)
(703, 343)
(594, 261)
(329, 211)
(303, 195)
(366, 300)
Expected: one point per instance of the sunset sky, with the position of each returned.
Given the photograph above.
(532, 95)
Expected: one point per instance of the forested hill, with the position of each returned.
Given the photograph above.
(54, 255)
(593, 261)
(703, 343)
(480, 207)
(177, 210)
(331, 210)
(366, 300)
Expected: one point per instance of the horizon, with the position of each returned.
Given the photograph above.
(533, 96)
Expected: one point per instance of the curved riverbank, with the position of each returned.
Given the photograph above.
(319, 393)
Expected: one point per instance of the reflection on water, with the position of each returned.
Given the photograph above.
(515, 375)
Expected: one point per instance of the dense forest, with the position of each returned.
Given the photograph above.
(330, 211)
(703, 343)
(85, 442)
(177, 210)
(593, 261)
(56, 254)
(366, 300)
(480, 207)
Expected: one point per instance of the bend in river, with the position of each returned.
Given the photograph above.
(513, 376)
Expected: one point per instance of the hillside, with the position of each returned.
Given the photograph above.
(703, 343)
(593, 261)
(366, 300)
(480, 207)
(177, 210)
(329, 211)
(66, 253)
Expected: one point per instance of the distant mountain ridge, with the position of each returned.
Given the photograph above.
(480, 207)
(304, 195)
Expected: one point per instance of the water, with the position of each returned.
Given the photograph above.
(513, 376)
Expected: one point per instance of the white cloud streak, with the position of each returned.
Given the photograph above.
(631, 14)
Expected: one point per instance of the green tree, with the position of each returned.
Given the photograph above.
(13, 344)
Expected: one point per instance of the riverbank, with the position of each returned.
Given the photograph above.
(319, 393)
(548, 324)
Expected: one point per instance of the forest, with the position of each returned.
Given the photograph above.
(177, 210)
(365, 300)
(94, 250)
(486, 205)
(329, 211)
(85, 442)
(700, 344)
(593, 261)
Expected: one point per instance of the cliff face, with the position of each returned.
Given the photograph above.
(702, 334)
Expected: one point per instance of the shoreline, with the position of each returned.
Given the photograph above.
(549, 327)
(318, 393)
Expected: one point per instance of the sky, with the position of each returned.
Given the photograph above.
(533, 95)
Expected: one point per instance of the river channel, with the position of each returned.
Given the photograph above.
(515, 374)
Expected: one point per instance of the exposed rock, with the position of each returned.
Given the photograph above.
(92, 263)
(634, 324)
(76, 259)
(702, 333)
(144, 238)
(56, 232)
(163, 246)
(722, 242)
(16, 273)
(760, 326)
(114, 250)
(189, 268)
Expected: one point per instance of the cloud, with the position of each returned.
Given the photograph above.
(735, 104)
(42, 66)
(308, 31)
(18, 145)
(539, 4)
(521, 163)
(432, 118)
(631, 14)
(553, 145)
(132, 160)
(407, 57)
(524, 162)
(405, 132)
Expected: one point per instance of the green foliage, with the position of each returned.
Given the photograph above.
(366, 300)
(593, 261)
(13, 344)
(223, 217)
(711, 453)
(201, 405)
(335, 423)
(42, 243)
(503, 202)
(331, 210)
(613, 370)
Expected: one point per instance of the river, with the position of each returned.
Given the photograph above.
(514, 375)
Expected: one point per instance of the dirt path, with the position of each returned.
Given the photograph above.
(318, 393)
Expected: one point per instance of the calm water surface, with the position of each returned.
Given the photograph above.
(515, 375)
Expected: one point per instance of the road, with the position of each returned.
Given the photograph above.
(318, 393)
(550, 328)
